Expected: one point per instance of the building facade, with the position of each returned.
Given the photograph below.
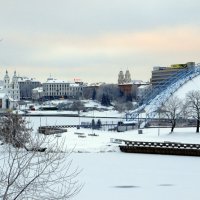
(124, 79)
(37, 93)
(9, 92)
(160, 74)
(26, 85)
(54, 89)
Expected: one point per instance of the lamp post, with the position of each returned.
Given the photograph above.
(159, 111)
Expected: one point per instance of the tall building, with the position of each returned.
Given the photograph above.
(128, 86)
(127, 78)
(121, 77)
(11, 88)
(26, 85)
(160, 74)
(9, 92)
(125, 83)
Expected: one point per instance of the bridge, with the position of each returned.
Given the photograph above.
(159, 94)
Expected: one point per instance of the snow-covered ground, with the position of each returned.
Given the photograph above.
(120, 176)
(193, 84)
(109, 174)
(103, 140)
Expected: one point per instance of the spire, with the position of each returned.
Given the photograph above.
(6, 75)
(127, 77)
(121, 77)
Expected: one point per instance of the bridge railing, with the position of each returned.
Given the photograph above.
(162, 92)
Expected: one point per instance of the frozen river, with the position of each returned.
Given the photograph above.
(120, 176)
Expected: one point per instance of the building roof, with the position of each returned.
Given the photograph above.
(2, 95)
(52, 80)
(24, 79)
(39, 89)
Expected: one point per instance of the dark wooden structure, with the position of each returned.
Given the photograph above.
(48, 130)
(168, 148)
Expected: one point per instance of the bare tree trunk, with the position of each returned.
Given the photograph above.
(197, 128)
(173, 126)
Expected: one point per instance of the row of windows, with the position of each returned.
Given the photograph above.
(60, 85)
(62, 89)
(60, 94)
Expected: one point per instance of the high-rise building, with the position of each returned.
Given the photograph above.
(160, 74)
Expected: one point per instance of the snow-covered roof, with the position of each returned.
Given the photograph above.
(52, 80)
(55, 81)
(143, 86)
(2, 95)
(24, 79)
(139, 82)
(39, 89)
(95, 84)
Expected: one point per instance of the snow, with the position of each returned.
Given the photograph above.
(103, 141)
(193, 84)
(108, 173)
(121, 176)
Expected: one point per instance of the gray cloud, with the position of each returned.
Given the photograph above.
(65, 36)
(95, 16)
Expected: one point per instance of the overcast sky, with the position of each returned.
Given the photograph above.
(95, 39)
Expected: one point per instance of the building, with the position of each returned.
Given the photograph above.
(160, 74)
(55, 89)
(9, 92)
(124, 79)
(124, 82)
(26, 85)
(127, 86)
(37, 93)
(142, 90)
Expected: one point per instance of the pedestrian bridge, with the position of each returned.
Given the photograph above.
(155, 97)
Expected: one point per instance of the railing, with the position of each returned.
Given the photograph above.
(168, 148)
(161, 93)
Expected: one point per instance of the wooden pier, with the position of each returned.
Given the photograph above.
(49, 130)
(168, 148)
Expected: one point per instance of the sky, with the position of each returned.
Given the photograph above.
(94, 39)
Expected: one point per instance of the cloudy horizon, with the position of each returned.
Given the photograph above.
(93, 40)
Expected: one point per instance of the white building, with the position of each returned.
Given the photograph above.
(53, 89)
(9, 92)
(37, 93)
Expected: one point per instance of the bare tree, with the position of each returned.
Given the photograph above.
(172, 109)
(13, 130)
(193, 106)
(40, 170)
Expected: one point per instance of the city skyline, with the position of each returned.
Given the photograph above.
(94, 40)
